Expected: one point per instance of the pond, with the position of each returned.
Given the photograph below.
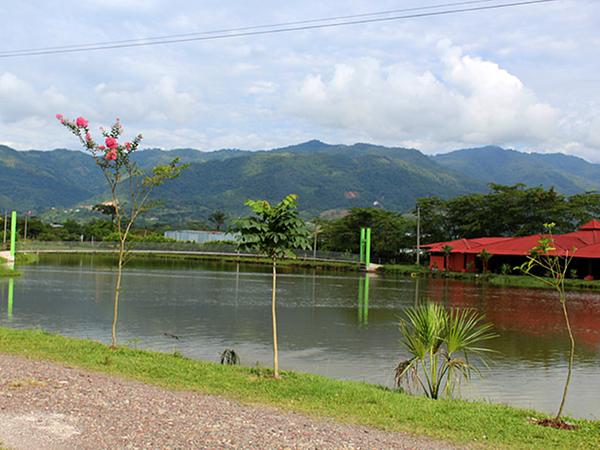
(325, 327)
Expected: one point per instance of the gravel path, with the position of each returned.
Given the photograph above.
(45, 405)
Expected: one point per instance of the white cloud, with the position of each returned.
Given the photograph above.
(20, 100)
(157, 102)
(472, 101)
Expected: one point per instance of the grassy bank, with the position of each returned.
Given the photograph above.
(491, 278)
(452, 420)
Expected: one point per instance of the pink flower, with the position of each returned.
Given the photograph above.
(101, 147)
(111, 143)
(59, 117)
(128, 145)
(111, 155)
(81, 122)
(88, 136)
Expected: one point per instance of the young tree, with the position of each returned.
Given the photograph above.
(447, 249)
(546, 258)
(485, 259)
(123, 176)
(219, 218)
(274, 231)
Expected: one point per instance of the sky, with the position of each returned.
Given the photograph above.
(523, 77)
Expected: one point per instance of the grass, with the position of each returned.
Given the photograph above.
(491, 278)
(6, 272)
(456, 421)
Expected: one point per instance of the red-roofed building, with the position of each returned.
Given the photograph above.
(461, 255)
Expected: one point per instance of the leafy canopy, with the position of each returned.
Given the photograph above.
(273, 230)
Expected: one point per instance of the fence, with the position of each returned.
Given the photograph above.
(165, 247)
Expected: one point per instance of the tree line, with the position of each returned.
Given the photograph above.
(505, 211)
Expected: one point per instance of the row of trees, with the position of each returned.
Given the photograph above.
(505, 211)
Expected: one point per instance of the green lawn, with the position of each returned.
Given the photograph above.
(456, 421)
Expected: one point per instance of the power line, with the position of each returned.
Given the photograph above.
(215, 36)
(247, 28)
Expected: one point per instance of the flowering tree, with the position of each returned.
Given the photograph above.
(125, 179)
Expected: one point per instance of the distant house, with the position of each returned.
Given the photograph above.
(200, 237)
(461, 255)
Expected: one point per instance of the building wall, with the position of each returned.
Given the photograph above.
(200, 237)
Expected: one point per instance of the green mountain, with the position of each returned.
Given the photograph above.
(38, 180)
(568, 174)
(326, 177)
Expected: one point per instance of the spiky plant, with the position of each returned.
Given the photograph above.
(442, 345)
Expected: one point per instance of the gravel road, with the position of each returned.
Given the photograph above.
(46, 405)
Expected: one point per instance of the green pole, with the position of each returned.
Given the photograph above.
(366, 301)
(368, 248)
(13, 233)
(11, 287)
(362, 245)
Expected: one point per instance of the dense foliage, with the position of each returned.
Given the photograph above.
(391, 234)
(505, 211)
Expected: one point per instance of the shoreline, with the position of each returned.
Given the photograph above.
(456, 421)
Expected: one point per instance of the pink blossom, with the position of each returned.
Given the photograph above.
(111, 143)
(81, 122)
(101, 147)
(88, 136)
(128, 145)
(59, 117)
(111, 155)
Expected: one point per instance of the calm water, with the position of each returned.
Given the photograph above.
(322, 328)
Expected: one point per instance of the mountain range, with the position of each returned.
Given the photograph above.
(326, 177)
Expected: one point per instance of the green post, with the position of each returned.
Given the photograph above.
(11, 287)
(13, 233)
(362, 245)
(368, 248)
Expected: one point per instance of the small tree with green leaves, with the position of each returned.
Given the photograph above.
(218, 218)
(274, 231)
(447, 249)
(485, 259)
(125, 179)
(545, 258)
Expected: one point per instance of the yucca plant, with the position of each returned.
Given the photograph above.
(442, 345)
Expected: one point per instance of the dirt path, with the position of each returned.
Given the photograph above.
(45, 405)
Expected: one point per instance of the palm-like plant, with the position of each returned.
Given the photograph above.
(442, 344)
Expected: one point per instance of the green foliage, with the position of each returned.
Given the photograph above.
(390, 233)
(505, 211)
(273, 231)
(218, 218)
(441, 344)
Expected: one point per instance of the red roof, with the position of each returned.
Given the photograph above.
(593, 224)
(584, 243)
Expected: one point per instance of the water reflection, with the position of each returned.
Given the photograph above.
(363, 300)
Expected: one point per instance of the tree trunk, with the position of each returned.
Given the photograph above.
(117, 292)
(274, 317)
(571, 357)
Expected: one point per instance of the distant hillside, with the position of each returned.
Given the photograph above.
(568, 174)
(326, 177)
(42, 179)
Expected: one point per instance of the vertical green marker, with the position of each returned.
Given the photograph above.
(13, 233)
(368, 248)
(361, 294)
(362, 245)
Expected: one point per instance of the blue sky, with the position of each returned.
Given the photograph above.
(524, 77)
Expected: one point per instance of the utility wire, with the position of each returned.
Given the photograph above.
(247, 28)
(116, 45)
